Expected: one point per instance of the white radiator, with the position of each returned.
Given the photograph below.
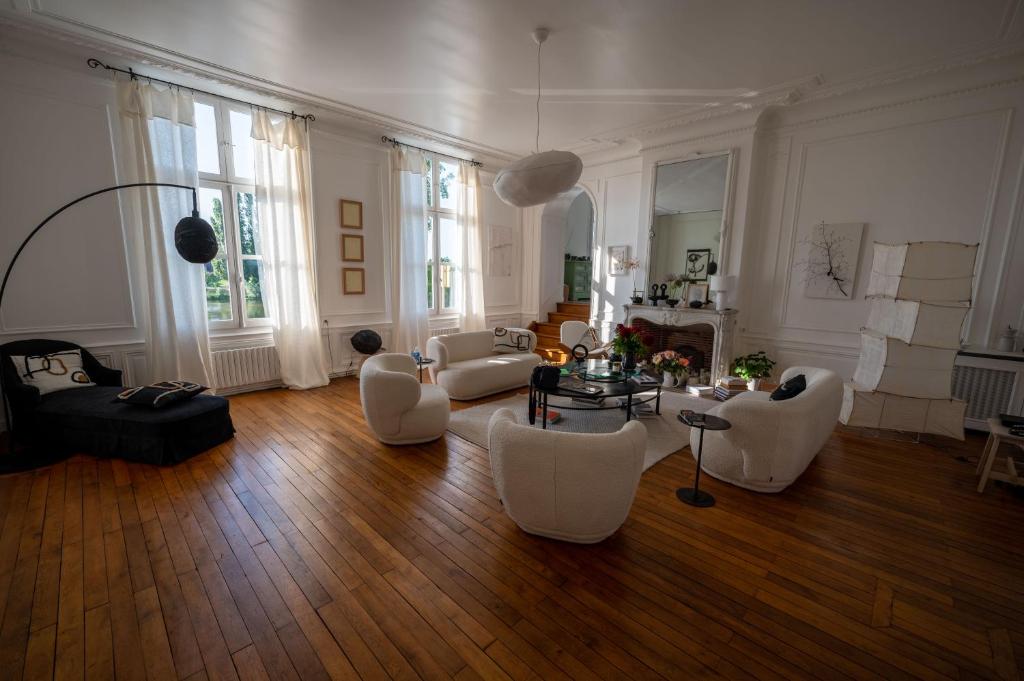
(245, 369)
(444, 331)
(990, 386)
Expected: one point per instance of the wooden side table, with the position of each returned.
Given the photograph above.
(997, 435)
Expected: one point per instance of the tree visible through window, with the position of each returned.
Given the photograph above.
(440, 186)
(234, 278)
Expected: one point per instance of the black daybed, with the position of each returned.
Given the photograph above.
(89, 420)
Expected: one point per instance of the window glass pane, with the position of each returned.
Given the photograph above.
(242, 157)
(206, 139)
(428, 180)
(447, 178)
(218, 294)
(211, 209)
(449, 255)
(248, 232)
(252, 276)
(430, 262)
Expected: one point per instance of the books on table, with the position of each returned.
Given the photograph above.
(700, 390)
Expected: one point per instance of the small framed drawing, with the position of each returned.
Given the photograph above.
(353, 280)
(697, 261)
(696, 293)
(351, 248)
(351, 214)
(617, 256)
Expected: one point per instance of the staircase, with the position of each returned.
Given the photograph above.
(548, 332)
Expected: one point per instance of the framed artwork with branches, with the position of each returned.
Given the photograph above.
(832, 253)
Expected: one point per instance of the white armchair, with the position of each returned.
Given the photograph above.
(770, 443)
(397, 408)
(574, 332)
(569, 486)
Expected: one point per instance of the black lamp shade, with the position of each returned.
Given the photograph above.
(195, 240)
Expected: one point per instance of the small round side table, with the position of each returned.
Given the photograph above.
(695, 496)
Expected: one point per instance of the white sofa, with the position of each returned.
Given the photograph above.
(466, 365)
(771, 443)
(397, 408)
(569, 486)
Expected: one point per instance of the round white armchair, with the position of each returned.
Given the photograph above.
(397, 408)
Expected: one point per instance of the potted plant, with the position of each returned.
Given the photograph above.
(754, 367)
(631, 265)
(675, 283)
(629, 343)
(674, 367)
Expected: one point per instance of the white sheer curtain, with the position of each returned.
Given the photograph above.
(159, 138)
(284, 210)
(409, 251)
(467, 214)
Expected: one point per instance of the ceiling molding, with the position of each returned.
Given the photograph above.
(42, 25)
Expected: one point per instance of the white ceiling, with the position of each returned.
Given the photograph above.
(467, 68)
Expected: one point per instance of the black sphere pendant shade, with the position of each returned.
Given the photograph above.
(194, 239)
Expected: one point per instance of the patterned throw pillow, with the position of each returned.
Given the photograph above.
(511, 340)
(53, 372)
(159, 395)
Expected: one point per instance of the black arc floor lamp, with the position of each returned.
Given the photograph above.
(193, 239)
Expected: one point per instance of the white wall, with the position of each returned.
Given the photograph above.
(937, 158)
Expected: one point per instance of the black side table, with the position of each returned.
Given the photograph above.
(695, 497)
(422, 362)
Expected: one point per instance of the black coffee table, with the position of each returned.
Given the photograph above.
(627, 387)
(696, 497)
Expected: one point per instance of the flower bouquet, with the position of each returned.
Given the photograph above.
(674, 366)
(629, 343)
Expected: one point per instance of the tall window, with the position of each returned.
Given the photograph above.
(444, 254)
(234, 291)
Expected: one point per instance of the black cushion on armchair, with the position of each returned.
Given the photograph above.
(88, 420)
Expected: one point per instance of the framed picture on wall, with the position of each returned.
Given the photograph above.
(697, 261)
(351, 248)
(353, 280)
(617, 257)
(351, 214)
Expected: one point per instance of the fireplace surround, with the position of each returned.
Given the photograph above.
(708, 331)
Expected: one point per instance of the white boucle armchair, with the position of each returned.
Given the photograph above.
(466, 365)
(397, 408)
(569, 486)
(770, 443)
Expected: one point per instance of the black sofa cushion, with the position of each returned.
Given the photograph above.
(789, 389)
(91, 420)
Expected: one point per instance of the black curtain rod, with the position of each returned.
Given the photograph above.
(392, 141)
(94, 63)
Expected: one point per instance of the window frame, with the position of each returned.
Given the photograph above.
(435, 212)
(230, 185)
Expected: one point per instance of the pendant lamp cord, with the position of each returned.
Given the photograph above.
(536, 142)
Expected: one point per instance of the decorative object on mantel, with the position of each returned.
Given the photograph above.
(1008, 340)
(920, 295)
(353, 280)
(542, 176)
(830, 264)
(351, 214)
(753, 368)
(721, 284)
(696, 293)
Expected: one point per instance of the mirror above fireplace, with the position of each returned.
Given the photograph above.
(688, 221)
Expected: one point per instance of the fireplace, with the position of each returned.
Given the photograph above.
(704, 334)
(696, 342)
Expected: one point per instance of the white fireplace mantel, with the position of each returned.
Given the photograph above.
(722, 321)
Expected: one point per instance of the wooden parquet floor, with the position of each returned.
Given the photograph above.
(305, 549)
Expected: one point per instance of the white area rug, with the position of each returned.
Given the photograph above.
(665, 434)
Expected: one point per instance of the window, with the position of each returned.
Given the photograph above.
(234, 292)
(444, 249)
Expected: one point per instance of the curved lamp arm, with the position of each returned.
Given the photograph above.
(193, 236)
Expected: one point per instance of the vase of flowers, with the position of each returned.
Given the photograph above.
(675, 283)
(629, 343)
(754, 367)
(674, 367)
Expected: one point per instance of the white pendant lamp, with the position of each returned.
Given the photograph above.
(542, 176)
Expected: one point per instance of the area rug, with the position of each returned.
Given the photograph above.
(665, 434)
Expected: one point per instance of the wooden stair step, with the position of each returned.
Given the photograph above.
(580, 309)
(548, 329)
(548, 341)
(559, 317)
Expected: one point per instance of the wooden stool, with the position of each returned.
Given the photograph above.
(998, 433)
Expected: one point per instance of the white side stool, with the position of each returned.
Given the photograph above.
(998, 434)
